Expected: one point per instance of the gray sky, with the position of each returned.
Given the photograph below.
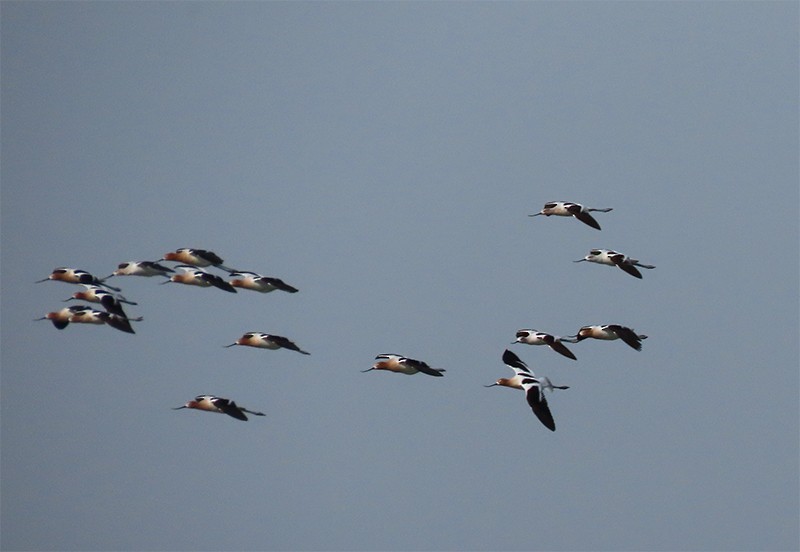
(383, 158)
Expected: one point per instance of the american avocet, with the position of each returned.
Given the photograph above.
(403, 365)
(91, 316)
(521, 371)
(568, 209)
(533, 337)
(266, 341)
(75, 276)
(210, 403)
(257, 282)
(193, 276)
(533, 386)
(141, 268)
(613, 258)
(61, 318)
(96, 294)
(609, 332)
(82, 314)
(196, 257)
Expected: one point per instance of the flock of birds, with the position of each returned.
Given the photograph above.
(535, 386)
(192, 262)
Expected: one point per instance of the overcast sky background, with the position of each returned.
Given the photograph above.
(384, 158)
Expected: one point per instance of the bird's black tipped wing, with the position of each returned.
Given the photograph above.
(218, 282)
(230, 408)
(422, 367)
(277, 283)
(585, 218)
(209, 256)
(627, 335)
(629, 268)
(89, 279)
(538, 404)
(60, 324)
(112, 305)
(120, 323)
(152, 265)
(286, 344)
(512, 360)
(86, 278)
(559, 347)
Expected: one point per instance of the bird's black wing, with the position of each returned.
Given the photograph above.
(286, 343)
(120, 323)
(559, 347)
(112, 305)
(422, 367)
(209, 256)
(627, 335)
(230, 408)
(512, 360)
(629, 268)
(585, 218)
(218, 282)
(277, 283)
(538, 404)
(60, 324)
